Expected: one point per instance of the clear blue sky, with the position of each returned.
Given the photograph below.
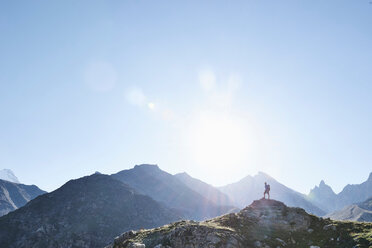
(219, 89)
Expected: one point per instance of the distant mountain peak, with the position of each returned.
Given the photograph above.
(15, 195)
(8, 175)
(323, 187)
(370, 177)
(248, 177)
(263, 174)
(171, 191)
(149, 166)
(250, 188)
(361, 212)
(183, 174)
(206, 190)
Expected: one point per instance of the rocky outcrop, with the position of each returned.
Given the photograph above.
(265, 223)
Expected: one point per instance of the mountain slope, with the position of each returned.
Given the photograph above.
(355, 193)
(87, 212)
(206, 190)
(251, 188)
(265, 223)
(357, 212)
(8, 175)
(367, 205)
(14, 195)
(323, 197)
(164, 187)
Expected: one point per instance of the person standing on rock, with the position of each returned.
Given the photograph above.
(267, 191)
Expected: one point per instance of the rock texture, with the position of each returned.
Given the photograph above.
(265, 223)
(251, 188)
(87, 212)
(163, 187)
(357, 212)
(15, 195)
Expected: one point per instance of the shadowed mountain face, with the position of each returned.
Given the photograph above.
(357, 212)
(14, 195)
(206, 190)
(87, 212)
(166, 188)
(251, 188)
(324, 197)
(265, 223)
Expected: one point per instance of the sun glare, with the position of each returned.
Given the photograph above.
(151, 105)
(219, 141)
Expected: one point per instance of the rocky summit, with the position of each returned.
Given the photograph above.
(265, 223)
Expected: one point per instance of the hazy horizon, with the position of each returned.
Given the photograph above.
(217, 89)
(254, 174)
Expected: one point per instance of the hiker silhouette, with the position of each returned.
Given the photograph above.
(267, 191)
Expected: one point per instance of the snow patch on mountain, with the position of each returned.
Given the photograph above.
(8, 175)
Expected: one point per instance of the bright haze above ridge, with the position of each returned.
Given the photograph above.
(218, 89)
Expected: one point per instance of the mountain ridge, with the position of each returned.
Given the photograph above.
(324, 197)
(250, 188)
(167, 189)
(264, 223)
(361, 212)
(85, 212)
(15, 195)
(208, 191)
